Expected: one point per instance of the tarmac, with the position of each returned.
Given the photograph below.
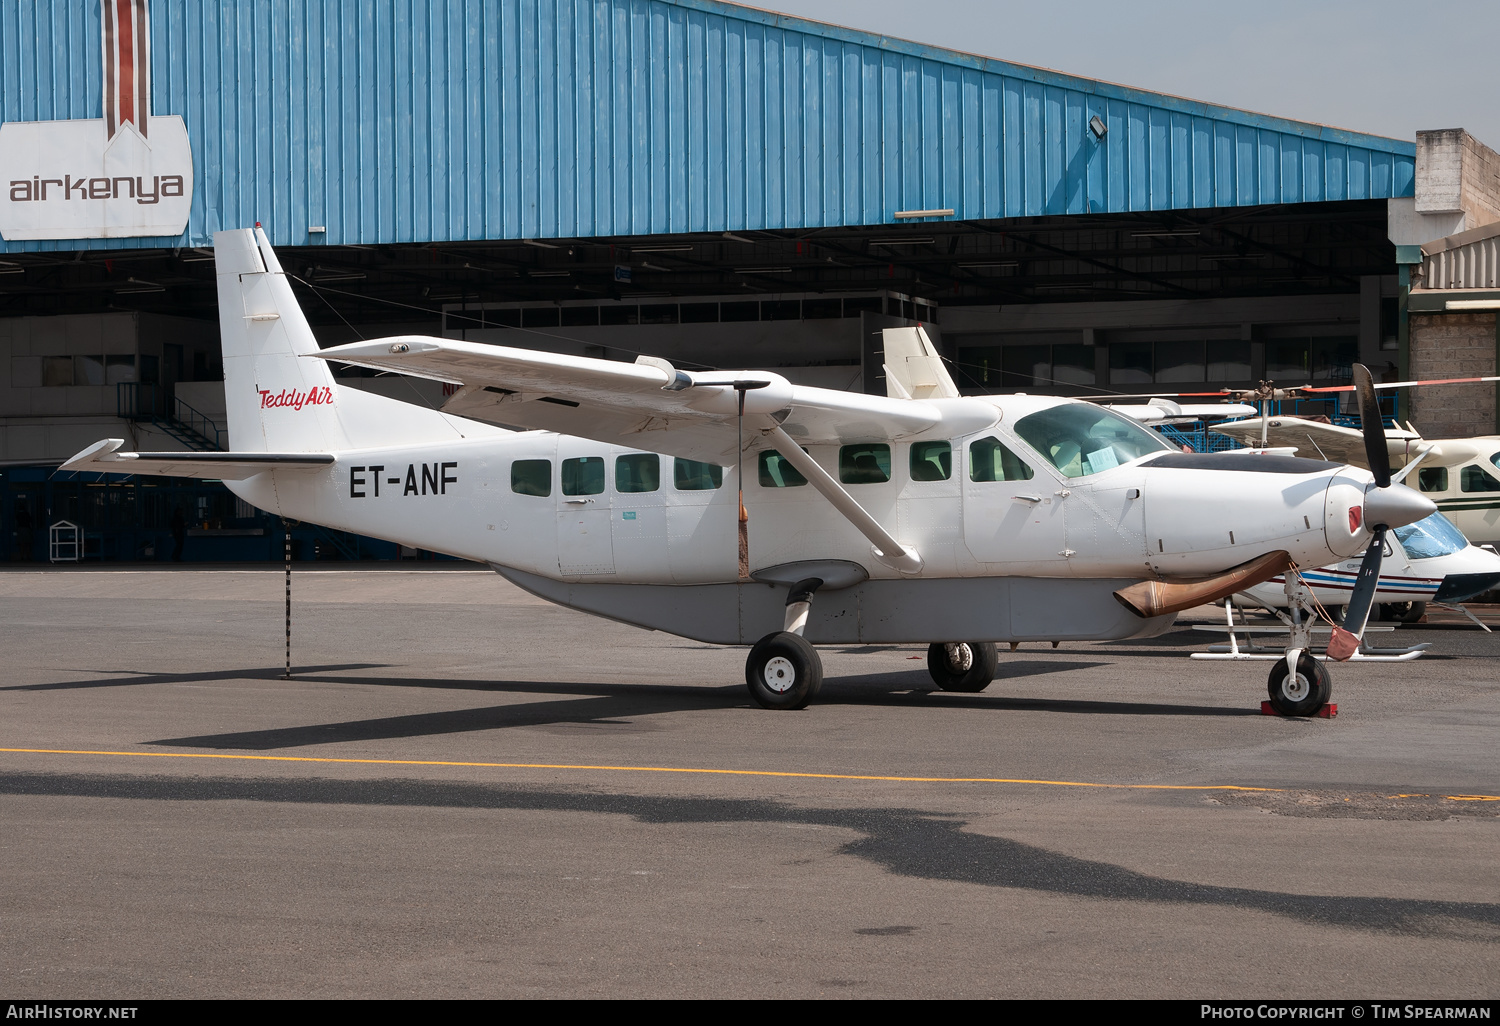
(466, 792)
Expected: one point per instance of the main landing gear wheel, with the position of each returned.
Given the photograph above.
(783, 671)
(1402, 612)
(1302, 693)
(966, 666)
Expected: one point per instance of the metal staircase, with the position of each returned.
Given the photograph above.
(168, 414)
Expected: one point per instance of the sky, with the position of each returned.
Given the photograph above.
(1374, 66)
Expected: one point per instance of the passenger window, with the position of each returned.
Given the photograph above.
(1474, 479)
(990, 460)
(931, 461)
(865, 464)
(1433, 479)
(638, 472)
(583, 476)
(692, 476)
(777, 472)
(531, 477)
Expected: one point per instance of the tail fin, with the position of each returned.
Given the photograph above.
(280, 402)
(265, 335)
(913, 368)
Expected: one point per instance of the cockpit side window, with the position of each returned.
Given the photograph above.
(1474, 479)
(991, 460)
(1079, 439)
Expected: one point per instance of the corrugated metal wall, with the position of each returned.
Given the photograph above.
(432, 120)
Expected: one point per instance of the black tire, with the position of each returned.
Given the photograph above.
(983, 659)
(783, 671)
(1405, 612)
(1302, 695)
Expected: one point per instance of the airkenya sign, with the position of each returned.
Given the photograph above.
(123, 175)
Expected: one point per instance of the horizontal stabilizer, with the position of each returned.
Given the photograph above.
(104, 457)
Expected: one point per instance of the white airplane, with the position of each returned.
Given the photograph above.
(1461, 475)
(1428, 561)
(738, 508)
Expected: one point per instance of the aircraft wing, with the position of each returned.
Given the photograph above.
(105, 457)
(649, 404)
(1311, 437)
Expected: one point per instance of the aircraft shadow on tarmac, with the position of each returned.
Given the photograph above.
(194, 677)
(907, 842)
(619, 705)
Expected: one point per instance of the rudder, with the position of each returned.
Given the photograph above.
(275, 400)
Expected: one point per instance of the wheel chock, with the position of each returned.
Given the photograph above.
(1328, 711)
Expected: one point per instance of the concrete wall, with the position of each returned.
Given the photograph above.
(1457, 172)
(1452, 345)
(47, 423)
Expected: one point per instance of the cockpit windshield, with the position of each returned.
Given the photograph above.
(1081, 439)
(1429, 537)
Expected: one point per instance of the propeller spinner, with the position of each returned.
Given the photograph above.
(1385, 506)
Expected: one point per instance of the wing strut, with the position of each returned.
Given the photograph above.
(887, 549)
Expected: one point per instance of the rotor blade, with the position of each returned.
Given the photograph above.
(1376, 453)
(1383, 386)
(1357, 612)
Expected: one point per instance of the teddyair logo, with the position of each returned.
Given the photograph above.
(295, 399)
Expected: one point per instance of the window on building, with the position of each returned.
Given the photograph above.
(579, 316)
(89, 370)
(57, 371)
(638, 472)
(865, 464)
(744, 311)
(540, 317)
(1228, 361)
(621, 314)
(118, 369)
(931, 461)
(692, 476)
(991, 460)
(659, 313)
(583, 475)
(531, 477)
(1179, 362)
(775, 471)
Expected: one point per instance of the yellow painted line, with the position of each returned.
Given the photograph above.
(643, 769)
(707, 771)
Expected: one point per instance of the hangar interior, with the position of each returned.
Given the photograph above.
(714, 184)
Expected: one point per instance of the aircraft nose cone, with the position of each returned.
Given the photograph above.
(1396, 506)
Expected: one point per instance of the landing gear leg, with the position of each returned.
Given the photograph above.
(1299, 685)
(784, 671)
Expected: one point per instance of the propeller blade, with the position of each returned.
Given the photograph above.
(1346, 639)
(1376, 453)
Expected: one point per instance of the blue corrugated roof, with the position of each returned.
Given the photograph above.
(438, 120)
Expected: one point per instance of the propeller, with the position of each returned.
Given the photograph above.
(1385, 507)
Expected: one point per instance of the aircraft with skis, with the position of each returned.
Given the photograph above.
(734, 507)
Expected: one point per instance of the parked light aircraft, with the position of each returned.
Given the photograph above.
(738, 508)
(1461, 475)
(1428, 561)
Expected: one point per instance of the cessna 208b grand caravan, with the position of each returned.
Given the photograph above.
(738, 508)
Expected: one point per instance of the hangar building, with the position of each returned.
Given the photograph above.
(715, 184)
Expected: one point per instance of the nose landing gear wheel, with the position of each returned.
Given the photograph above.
(1302, 693)
(966, 666)
(783, 671)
